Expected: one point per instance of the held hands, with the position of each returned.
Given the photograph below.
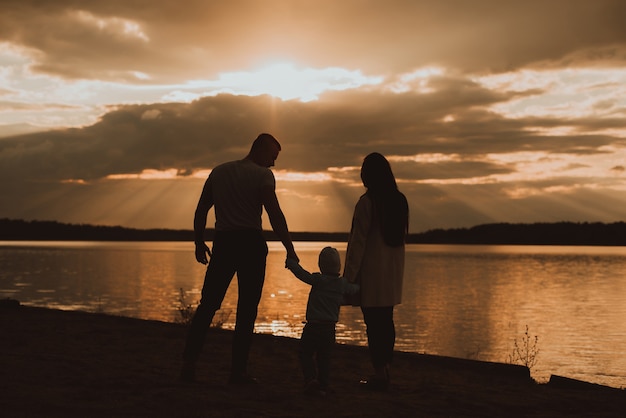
(291, 263)
(202, 250)
(291, 256)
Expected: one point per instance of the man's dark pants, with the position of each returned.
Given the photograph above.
(244, 253)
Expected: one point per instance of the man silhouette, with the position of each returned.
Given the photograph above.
(239, 190)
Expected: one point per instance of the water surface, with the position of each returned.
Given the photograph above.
(459, 300)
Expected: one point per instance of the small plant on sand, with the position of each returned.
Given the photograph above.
(525, 352)
(186, 310)
(220, 319)
(474, 355)
(99, 306)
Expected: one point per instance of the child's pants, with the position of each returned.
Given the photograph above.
(316, 344)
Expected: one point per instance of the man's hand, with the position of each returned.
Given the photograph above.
(292, 255)
(202, 250)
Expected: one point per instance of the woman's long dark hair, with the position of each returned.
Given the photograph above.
(390, 204)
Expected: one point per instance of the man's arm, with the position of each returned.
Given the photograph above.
(205, 203)
(277, 219)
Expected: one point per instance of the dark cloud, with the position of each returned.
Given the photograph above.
(336, 131)
(448, 170)
(77, 39)
(19, 129)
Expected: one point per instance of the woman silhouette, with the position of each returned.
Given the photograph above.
(375, 260)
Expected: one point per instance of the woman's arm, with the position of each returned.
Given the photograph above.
(361, 223)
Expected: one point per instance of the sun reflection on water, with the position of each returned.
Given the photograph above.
(460, 301)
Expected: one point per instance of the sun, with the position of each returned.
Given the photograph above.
(286, 81)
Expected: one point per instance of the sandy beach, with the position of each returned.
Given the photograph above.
(70, 364)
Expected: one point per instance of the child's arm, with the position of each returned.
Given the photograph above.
(299, 272)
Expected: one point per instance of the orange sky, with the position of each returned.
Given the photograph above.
(114, 112)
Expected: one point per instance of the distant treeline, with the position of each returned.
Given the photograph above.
(560, 233)
(51, 230)
(11, 229)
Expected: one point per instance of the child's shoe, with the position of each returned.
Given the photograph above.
(312, 387)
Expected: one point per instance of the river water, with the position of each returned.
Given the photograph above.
(463, 301)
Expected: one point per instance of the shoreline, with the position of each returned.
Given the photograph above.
(72, 363)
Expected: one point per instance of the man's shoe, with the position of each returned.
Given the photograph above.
(242, 380)
(188, 373)
(312, 387)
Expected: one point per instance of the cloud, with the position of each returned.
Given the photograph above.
(335, 131)
(488, 110)
(116, 40)
(151, 114)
